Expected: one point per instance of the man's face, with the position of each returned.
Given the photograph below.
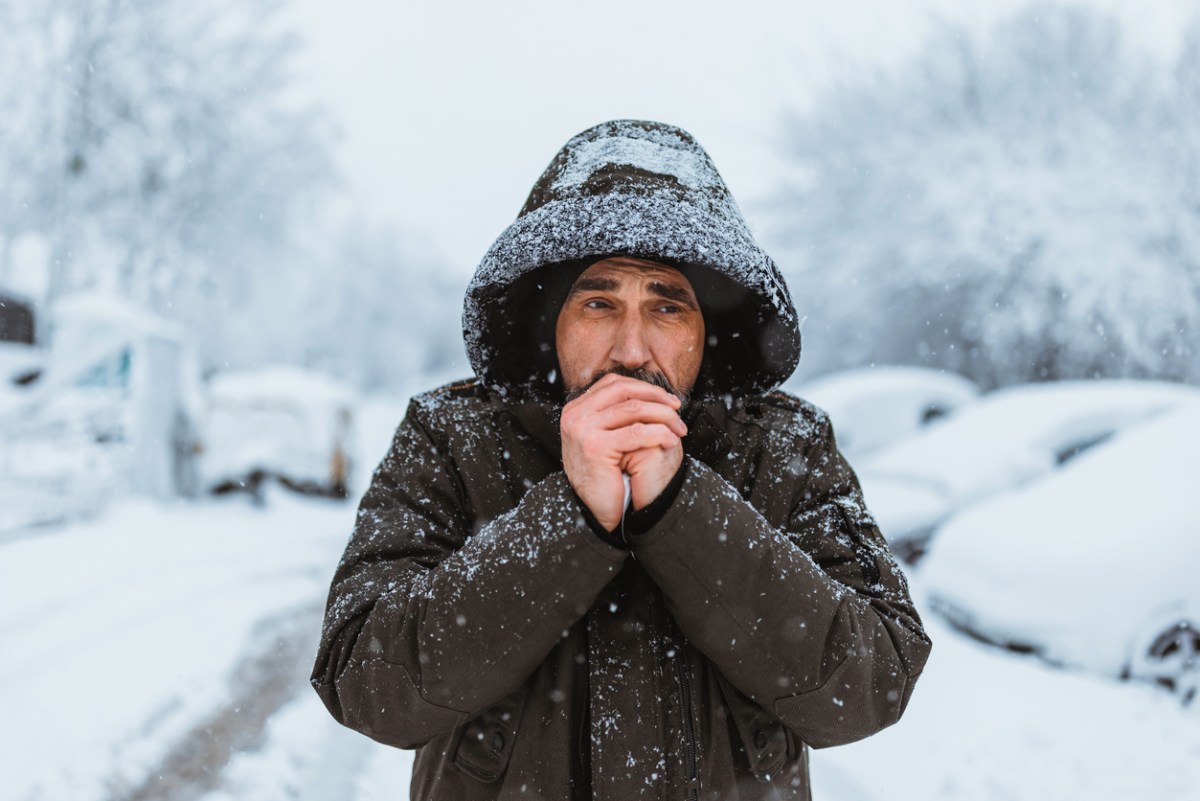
(628, 314)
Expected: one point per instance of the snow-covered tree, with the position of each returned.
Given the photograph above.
(365, 303)
(161, 151)
(1020, 205)
(155, 144)
(398, 315)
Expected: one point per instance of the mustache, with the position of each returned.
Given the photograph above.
(654, 377)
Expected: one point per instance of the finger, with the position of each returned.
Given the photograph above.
(617, 380)
(633, 411)
(614, 388)
(637, 461)
(578, 415)
(642, 435)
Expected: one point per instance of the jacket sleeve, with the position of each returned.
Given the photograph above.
(431, 619)
(812, 620)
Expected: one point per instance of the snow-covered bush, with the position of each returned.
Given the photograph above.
(1020, 205)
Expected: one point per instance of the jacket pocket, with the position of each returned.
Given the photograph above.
(484, 745)
(765, 739)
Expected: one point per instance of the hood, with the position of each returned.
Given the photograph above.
(640, 189)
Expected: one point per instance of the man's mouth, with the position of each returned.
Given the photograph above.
(654, 377)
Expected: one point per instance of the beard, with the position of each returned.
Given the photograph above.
(654, 377)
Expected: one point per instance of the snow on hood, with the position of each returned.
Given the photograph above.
(641, 189)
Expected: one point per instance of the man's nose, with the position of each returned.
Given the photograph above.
(629, 347)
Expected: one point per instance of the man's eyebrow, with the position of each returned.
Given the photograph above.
(675, 293)
(594, 285)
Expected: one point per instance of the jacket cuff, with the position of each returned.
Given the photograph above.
(613, 538)
(639, 521)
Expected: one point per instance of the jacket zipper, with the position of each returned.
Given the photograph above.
(582, 787)
(689, 731)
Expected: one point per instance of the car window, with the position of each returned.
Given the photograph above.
(1069, 451)
(110, 372)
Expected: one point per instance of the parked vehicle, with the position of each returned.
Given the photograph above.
(17, 320)
(874, 407)
(20, 356)
(110, 410)
(1007, 439)
(1092, 566)
(20, 366)
(283, 423)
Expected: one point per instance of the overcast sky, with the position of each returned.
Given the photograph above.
(450, 111)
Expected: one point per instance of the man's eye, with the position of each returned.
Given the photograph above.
(669, 308)
(596, 303)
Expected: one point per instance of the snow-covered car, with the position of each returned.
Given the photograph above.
(873, 407)
(1094, 566)
(111, 408)
(17, 320)
(20, 366)
(1006, 439)
(20, 356)
(284, 423)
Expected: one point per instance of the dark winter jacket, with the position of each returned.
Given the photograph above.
(478, 617)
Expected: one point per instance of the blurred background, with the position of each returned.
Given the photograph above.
(234, 240)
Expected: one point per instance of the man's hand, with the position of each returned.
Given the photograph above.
(620, 425)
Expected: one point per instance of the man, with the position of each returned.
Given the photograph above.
(616, 565)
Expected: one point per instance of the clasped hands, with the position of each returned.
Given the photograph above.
(621, 425)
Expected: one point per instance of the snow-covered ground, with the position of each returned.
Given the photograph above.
(986, 725)
(982, 726)
(127, 636)
(307, 756)
(161, 652)
(142, 648)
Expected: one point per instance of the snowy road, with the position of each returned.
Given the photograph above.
(151, 633)
(162, 653)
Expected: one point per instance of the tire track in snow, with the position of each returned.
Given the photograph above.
(269, 676)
